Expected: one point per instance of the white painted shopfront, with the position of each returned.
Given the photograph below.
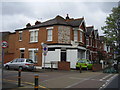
(63, 53)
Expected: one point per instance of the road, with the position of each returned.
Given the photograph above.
(59, 79)
(114, 83)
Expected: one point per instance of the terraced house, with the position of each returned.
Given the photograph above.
(92, 40)
(66, 39)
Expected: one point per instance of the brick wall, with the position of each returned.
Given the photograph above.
(97, 67)
(63, 65)
(25, 43)
(8, 57)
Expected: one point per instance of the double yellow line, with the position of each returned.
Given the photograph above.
(26, 83)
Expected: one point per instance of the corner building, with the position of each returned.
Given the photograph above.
(65, 39)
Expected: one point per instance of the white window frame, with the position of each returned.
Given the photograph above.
(33, 36)
(49, 34)
(20, 35)
(32, 56)
(87, 41)
(75, 35)
(81, 36)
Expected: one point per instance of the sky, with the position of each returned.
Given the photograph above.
(15, 15)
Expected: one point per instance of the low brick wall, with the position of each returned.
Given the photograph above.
(64, 66)
(96, 67)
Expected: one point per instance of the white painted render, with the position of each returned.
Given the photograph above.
(72, 57)
(68, 46)
(53, 56)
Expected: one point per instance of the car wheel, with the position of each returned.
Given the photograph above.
(77, 68)
(7, 67)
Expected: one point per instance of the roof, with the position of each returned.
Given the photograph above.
(58, 20)
(75, 22)
(89, 30)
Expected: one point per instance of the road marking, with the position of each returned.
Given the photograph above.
(75, 78)
(107, 76)
(108, 82)
(103, 79)
(26, 83)
(75, 84)
(84, 79)
(57, 77)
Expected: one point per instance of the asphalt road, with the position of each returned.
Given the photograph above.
(59, 79)
(114, 83)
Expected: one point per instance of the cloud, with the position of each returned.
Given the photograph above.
(17, 14)
(10, 23)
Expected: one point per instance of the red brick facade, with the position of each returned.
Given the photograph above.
(16, 45)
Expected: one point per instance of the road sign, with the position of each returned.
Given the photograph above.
(45, 48)
(4, 44)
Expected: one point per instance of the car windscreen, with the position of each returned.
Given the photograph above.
(29, 60)
(81, 61)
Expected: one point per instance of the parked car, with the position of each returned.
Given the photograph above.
(20, 63)
(84, 63)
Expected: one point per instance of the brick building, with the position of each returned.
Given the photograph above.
(67, 39)
(8, 52)
(92, 39)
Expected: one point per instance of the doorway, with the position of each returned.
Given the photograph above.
(63, 55)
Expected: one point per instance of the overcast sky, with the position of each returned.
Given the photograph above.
(16, 15)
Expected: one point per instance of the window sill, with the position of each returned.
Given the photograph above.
(34, 42)
(49, 40)
(20, 40)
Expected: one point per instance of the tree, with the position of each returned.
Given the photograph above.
(111, 30)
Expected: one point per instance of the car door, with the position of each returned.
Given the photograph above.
(12, 64)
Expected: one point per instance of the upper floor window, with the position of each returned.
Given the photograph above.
(81, 36)
(75, 35)
(49, 33)
(87, 41)
(91, 41)
(20, 35)
(34, 36)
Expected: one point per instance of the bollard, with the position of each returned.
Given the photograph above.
(80, 69)
(36, 82)
(19, 77)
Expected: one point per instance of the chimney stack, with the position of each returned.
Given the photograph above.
(37, 22)
(67, 17)
(28, 25)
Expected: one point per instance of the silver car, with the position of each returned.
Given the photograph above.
(20, 63)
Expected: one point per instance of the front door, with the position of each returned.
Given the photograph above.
(63, 55)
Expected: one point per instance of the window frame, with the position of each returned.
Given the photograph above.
(33, 36)
(75, 35)
(49, 35)
(33, 55)
(20, 35)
